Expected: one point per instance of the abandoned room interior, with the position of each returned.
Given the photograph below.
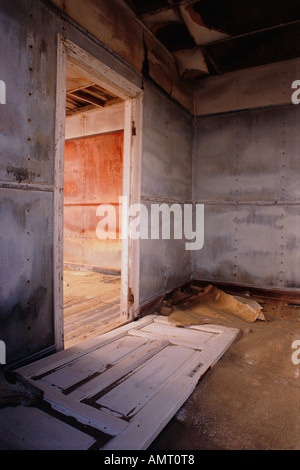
(150, 225)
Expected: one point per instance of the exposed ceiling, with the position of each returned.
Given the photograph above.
(84, 95)
(209, 37)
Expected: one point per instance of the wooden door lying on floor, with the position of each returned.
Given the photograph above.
(128, 383)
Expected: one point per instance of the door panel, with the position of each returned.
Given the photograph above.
(128, 383)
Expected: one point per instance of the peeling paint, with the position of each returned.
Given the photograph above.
(201, 33)
(191, 63)
(160, 17)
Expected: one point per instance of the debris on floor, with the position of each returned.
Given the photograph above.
(201, 305)
(250, 399)
(14, 393)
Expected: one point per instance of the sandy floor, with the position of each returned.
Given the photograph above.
(250, 399)
(91, 304)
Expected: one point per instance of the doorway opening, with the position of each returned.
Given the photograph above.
(97, 163)
(93, 175)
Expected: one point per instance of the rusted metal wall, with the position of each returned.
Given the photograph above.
(93, 176)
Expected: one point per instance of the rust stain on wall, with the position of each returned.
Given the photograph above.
(93, 176)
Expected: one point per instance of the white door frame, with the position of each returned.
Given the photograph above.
(133, 96)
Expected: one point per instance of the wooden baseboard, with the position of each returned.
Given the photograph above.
(150, 306)
(90, 268)
(292, 295)
(34, 357)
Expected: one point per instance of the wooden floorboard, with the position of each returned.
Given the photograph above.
(91, 305)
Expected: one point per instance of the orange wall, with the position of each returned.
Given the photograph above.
(93, 176)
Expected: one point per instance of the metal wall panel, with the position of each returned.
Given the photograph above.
(247, 174)
(166, 179)
(165, 263)
(28, 57)
(249, 156)
(26, 321)
(27, 122)
(167, 148)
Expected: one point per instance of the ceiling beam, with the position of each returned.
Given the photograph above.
(211, 61)
(251, 33)
(83, 109)
(82, 87)
(152, 11)
(185, 3)
(176, 10)
(84, 95)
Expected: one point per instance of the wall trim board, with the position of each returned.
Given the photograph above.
(266, 292)
(161, 200)
(96, 122)
(243, 110)
(292, 295)
(92, 268)
(92, 68)
(26, 186)
(32, 358)
(149, 305)
(247, 203)
(93, 135)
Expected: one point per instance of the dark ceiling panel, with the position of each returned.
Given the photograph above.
(259, 31)
(175, 37)
(145, 6)
(256, 49)
(238, 17)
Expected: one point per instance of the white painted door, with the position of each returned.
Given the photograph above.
(128, 383)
